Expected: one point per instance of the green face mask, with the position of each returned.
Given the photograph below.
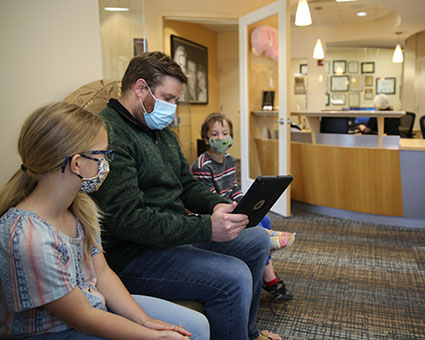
(220, 145)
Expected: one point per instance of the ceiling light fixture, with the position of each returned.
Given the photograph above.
(302, 17)
(361, 14)
(318, 52)
(116, 9)
(398, 55)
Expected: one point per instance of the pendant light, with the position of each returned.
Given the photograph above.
(318, 52)
(398, 55)
(302, 17)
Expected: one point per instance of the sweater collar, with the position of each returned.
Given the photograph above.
(124, 113)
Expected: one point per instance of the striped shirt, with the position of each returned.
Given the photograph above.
(218, 177)
(38, 265)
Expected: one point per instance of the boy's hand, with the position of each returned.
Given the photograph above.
(226, 226)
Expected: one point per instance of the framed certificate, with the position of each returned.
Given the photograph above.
(368, 93)
(339, 83)
(368, 67)
(368, 80)
(338, 99)
(385, 85)
(354, 99)
(339, 66)
(356, 83)
(353, 67)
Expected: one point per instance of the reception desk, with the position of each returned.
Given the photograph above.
(357, 174)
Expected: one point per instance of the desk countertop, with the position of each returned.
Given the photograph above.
(414, 144)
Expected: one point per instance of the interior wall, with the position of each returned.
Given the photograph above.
(228, 84)
(203, 36)
(414, 81)
(49, 48)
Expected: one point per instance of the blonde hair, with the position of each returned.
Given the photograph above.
(50, 135)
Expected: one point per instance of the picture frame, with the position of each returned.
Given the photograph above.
(356, 83)
(303, 68)
(368, 67)
(354, 99)
(339, 83)
(139, 46)
(368, 93)
(368, 80)
(327, 66)
(338, 66)
(338, 99)
(193, 60)
(353, 67)
(268, 100)
(299, 85)
(386, 85)
(327, 99)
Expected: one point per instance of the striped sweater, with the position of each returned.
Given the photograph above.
(218, 177)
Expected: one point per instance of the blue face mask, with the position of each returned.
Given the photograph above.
(163, 113)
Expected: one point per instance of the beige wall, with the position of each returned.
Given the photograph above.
(201, 35)
(228, 84)
(49, 48)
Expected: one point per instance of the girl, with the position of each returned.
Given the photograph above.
(55, 282)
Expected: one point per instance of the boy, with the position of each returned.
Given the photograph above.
(216, 169)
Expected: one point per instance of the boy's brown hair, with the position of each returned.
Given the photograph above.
(211, 119)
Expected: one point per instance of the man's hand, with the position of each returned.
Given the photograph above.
(226, 226)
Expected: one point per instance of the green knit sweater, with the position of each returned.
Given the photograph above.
(147, 190)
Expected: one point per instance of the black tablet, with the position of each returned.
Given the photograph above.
(261, 196)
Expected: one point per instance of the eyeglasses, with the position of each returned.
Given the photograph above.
(109, 156)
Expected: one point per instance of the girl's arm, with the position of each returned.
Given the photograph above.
(119, 300)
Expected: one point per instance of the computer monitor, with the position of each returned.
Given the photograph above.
(334, 125)
(361, 120)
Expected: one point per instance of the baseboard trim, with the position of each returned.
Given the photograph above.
(361, 217)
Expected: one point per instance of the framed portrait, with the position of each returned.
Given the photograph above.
(385, 85)
(327, 66)
(353, 67)
(338, 99)
(368, 67)
(193, 60)
(339, 83)
(299, 86)
(368, 80)
(338, 66)
(139, 46)
(368, 93)
(303, 69)
(354, 99)
(356, 83)
(268, 100)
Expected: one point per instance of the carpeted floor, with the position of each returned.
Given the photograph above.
(350, 280)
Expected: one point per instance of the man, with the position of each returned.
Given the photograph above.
(155, 246)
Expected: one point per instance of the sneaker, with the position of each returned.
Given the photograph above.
(278, 291)
(284, 240)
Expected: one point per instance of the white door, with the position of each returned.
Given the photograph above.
(264, 135)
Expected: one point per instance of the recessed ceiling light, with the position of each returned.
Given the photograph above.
(116, 9)
(361, 14)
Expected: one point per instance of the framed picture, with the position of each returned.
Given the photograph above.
(339, 66)
(368, 67)
(339, 83)
(327, 99)
(385, 85)
(368, 94)
(303, 69)
(353, 67)
(193, 60)
(299, 86)
(368, 80)
(354, 99)
(356, 83)
(338, 99)
(268, 100)
(327, 66)
(139, 46)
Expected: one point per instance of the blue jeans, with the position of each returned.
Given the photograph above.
(225, 276)
(193, 321)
